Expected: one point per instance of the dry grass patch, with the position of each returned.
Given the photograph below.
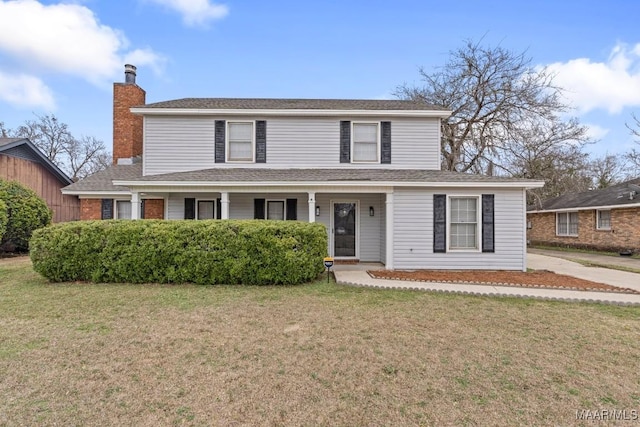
(319, 354)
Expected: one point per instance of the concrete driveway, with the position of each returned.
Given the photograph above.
(559, 264)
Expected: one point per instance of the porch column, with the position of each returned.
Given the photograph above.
(224, 204)
(135, 205)
(389, 231)
(312, 207)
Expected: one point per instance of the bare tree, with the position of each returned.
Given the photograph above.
(86, 156)
(537, 152)
(607, 170)
(633, 155)
(78, 158)
(497, 100)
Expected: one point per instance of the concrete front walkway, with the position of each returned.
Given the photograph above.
(356, 276)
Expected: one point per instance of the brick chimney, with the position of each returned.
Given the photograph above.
(127, 127)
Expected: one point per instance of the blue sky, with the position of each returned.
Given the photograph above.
(62, 57)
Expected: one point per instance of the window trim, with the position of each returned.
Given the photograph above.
(568, 215)
(378, 142)
(228, 141)
(115, 207)
(197, 213)
(284, 208)
(598, 226)
(478, 247)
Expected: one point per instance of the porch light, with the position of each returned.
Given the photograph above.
(371, 211)
(317, 210)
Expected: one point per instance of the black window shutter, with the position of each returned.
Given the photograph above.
(142, 209)
(385, 146)
(488, 228)
(258, 209)
(261, 141)
(220, 141)
(218, 209)
(189, 208)
(439, 223)
(345, 142)
(292, 209)
(107, 209)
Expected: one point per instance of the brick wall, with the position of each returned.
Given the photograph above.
(154, 209)
(624, 233)
(127, 127)
(90, 209)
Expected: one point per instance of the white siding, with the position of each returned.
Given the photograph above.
(413, 233)
(178, 144)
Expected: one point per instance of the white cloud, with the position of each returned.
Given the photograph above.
(66, 39)
(25, 91)
(611, 85)
(195, 13)
(596, 132)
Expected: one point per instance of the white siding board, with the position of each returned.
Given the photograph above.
(413, 237)
(179, 144)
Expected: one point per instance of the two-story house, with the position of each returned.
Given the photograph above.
(369, 170)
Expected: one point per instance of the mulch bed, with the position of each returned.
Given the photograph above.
(535, 279)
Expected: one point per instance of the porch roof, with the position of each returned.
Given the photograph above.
(131, 175)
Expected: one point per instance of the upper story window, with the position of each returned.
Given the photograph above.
(604, 220)
(240, 142)
(365, 142)
(567, 223)
(463, 223)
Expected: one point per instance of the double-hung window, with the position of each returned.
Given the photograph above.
(365, 142)
(123, 209)
(275, 209)
(567, 223)
(206, 209)
(240, 141)
(604, 220)
(463, 223)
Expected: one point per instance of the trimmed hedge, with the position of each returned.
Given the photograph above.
(26, 212)
(250, 252)
(4, 218)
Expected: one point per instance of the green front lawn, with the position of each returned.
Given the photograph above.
(316, 354)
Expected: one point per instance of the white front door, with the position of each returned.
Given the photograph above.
(344, 229)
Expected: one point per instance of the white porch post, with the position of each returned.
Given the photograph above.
(312, 207)
(389, 231)
(135, 205)
(224, 204)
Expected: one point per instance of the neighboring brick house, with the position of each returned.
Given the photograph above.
(369, 170)
(22, 161)
(607, 219)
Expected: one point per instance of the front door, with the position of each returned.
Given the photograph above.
(344, 229)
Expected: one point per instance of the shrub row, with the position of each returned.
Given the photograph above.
(251, 252)
(21, 212)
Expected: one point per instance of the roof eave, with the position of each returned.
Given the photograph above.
(434, 184)
(46, 163)
(443, 114)
(588, 208)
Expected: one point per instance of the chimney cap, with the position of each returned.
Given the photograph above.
(129, 73)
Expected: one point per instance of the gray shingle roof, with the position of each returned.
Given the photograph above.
(292, 104)
(102, 181)
(616, 195)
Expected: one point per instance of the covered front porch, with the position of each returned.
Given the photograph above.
(358, 223)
